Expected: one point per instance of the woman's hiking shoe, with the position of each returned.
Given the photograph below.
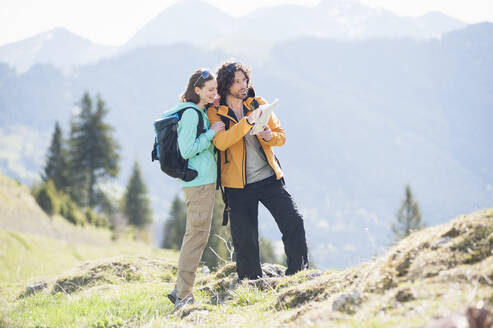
(172, 296)
(179, 302)
(182, 302)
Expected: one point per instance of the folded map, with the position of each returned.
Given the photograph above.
(261, 122)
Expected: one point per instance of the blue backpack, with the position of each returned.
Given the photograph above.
(166, 149)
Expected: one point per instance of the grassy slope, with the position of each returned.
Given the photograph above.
(34, 245)
(438, 270)
(26, 257)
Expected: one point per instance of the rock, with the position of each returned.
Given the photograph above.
(206, 270)
(347, 302)
(272, 270)
(471, 318)
(440, 242)
(452, 233)
(314, 274)
(234, 283)
(404, 295)
(34, 288)
(479, 318)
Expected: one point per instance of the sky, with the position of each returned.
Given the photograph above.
(113, 22)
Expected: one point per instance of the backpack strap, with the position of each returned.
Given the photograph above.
(200, 124)
(226, 122)
(200, 129)
(219, 185)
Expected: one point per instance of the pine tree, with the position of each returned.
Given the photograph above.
(174, 229)
(56, 161)
(93, 151)
(408, 217)
(136, 202)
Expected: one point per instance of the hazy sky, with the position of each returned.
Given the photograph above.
(113, 22)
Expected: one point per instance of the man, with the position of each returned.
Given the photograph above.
(250, 173)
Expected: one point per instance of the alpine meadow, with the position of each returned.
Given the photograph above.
(388, 124)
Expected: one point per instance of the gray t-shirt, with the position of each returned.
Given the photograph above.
(257, 167)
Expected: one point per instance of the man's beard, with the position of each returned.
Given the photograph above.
(239, 95)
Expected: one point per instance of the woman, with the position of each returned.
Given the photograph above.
(199, 192)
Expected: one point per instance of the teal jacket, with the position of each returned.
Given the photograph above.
(199, 151)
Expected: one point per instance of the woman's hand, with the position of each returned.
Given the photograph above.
(217, 99)
(218, 126)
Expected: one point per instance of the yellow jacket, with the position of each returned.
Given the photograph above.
(232, 145)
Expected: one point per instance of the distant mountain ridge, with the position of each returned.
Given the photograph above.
(58, 47)
(201, 24)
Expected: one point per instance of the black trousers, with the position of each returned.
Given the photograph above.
(244, 226)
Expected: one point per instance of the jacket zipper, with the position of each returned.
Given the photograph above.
(244, 162)
(244, 150)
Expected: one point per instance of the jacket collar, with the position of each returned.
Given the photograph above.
(223, 109)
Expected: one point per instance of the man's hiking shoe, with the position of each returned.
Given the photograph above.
(172, 296)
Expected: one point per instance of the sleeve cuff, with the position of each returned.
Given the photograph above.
(210, 134)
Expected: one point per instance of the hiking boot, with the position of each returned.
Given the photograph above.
(172, 296)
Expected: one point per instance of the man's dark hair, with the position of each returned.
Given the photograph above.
(226, 76)
(196, 80)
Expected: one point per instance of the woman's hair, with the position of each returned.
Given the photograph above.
(196, 80)
(226, 76)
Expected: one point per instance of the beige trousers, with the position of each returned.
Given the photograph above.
(200, 203)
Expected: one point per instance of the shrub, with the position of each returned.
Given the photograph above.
(96, 220)
(102, 221)
(46, 197)
(91, 218)
(74, 214)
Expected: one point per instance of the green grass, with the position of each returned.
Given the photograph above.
(124, 284)
(135, 303)
(120, 302)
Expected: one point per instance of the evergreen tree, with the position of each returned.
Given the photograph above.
(408, 217)
(174, 229)
(56, 161)
(93, 151)
(136, 202)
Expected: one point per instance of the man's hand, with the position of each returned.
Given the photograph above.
(252, 118)
(266, 134)
(218, 126)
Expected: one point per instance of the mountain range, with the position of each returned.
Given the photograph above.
(201, 24)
